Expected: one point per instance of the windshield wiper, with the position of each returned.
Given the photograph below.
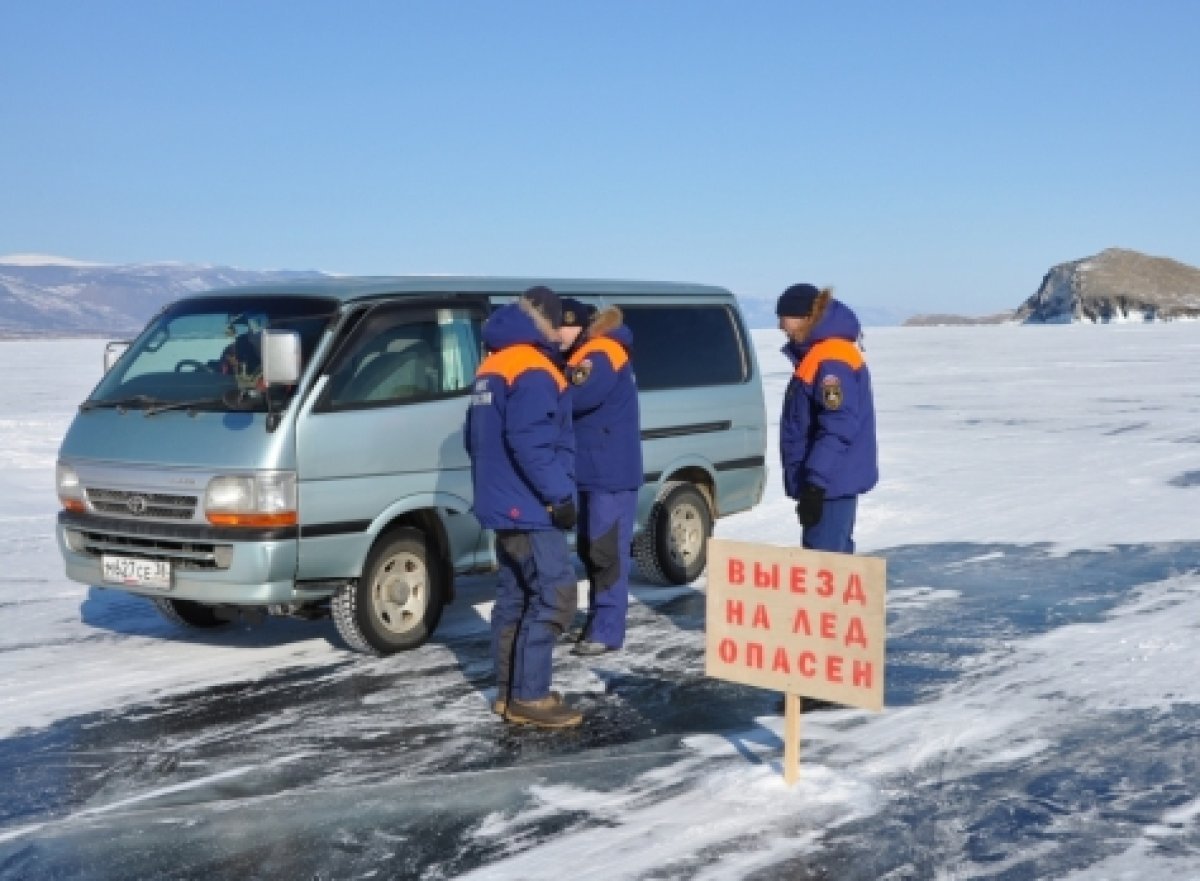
(150, 404)
(163, 406)
(123, 403)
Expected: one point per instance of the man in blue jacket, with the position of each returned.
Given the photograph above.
(519, 436)
(608, 464)
(827, 430)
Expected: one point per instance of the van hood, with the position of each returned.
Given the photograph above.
(232, 441)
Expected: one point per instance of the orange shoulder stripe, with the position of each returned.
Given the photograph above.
(828, 350)
(515, 360)
(610, 347)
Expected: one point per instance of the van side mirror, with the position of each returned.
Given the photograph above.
(280, 357)
(113, 352)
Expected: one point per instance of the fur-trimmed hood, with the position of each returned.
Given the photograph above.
(609, 322)
(831, 320)
(519, 322)
(820, 307)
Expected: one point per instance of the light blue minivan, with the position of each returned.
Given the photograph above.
(297, 449)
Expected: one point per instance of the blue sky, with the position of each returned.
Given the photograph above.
(918, 156)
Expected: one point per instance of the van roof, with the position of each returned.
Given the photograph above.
(368, 287)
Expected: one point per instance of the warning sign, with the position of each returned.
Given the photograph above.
(802, 622)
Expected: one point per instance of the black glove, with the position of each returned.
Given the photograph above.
(563, 515)
(808, 509)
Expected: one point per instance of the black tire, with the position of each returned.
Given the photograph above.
(187, 613)
(673, 548)
(396, 604)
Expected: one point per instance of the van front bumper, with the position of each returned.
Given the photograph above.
(208, 564)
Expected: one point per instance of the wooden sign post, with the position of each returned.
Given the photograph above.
(802, 622)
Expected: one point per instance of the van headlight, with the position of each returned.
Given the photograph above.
(265, 498)
(70, 490)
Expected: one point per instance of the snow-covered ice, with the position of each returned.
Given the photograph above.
(1039, 513)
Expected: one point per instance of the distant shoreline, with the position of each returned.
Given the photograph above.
(19, 336)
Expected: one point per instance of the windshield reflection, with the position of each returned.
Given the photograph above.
(206, 354)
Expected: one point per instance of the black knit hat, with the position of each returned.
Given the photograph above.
(576, 313)
(797, 301)
(547, 302)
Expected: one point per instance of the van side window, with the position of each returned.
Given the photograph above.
(686, 346)
(404, 356)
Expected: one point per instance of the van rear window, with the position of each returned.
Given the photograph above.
(686, 346)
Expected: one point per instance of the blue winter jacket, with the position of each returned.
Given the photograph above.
(518, 431)
(604, 402)
(827, 430)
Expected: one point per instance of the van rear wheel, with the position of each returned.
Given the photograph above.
(186, 613)
(397, 602)
(673, 548)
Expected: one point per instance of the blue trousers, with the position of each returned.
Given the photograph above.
(604, 541)
(535, 601)
(835, 530)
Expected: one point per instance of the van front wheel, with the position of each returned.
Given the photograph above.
(673, 548)
(397, 602)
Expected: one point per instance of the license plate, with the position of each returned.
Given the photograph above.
(132, 572)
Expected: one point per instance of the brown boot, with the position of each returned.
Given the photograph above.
(548, 712)
(500, 704)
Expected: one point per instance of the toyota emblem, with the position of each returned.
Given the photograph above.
(136, 505)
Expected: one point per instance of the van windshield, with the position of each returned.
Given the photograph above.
(205, 354)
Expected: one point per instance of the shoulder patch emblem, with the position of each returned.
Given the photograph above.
(831, 392)
(582, 371)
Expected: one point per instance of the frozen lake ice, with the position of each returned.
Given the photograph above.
(1038, 511)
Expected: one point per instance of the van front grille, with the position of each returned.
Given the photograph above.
(181, 554)
(141, 505)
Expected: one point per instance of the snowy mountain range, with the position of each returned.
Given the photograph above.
(42, 295)
(47, 296)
